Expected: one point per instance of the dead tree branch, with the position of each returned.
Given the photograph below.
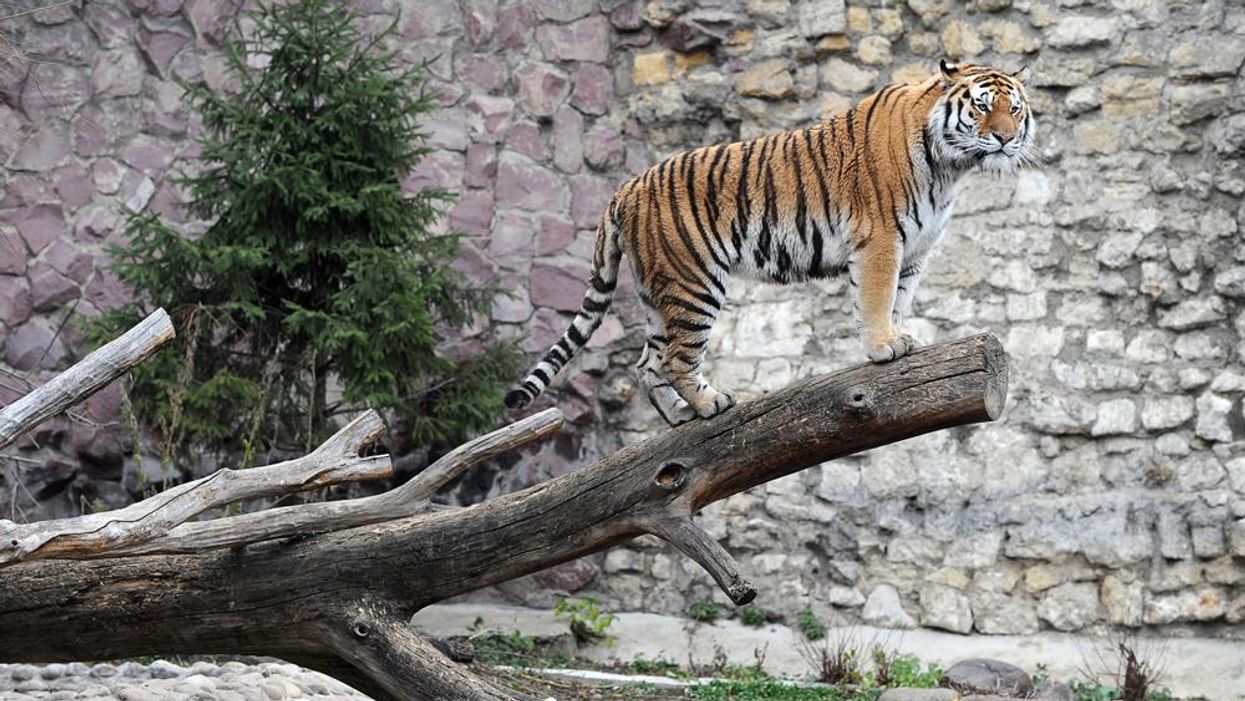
(86, 377)
(338, 601)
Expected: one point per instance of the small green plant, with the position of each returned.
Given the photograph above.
(505, 648)
(703, 611)
(587, 621)
(811, 625)
(659, 667)
(752, 616)
(891, 669)
(775, 690)
(1089, 691)
(835, 663)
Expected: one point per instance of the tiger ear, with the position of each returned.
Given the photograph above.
(1023, 74)
(950, 71)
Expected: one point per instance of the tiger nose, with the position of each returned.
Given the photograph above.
(1003, 138)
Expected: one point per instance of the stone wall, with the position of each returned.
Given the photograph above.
(1112, 491)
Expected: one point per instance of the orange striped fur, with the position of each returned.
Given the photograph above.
(867, 194)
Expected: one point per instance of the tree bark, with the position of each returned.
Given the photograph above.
(338, 601)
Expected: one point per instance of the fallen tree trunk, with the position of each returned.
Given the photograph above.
(339, 601)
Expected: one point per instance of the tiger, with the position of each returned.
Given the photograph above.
(867, 193)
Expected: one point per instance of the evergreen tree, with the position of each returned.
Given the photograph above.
(317, 272)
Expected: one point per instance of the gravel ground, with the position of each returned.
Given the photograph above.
(162, 680)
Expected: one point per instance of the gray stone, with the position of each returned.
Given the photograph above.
(883, 608)
(1000, 614)
(986, 676)
(1070, 607)
(1163, 413)
(820, 17)
(1212, 418)
(1206, 56)
(1081, 31)
(909, 694)
(945, 607)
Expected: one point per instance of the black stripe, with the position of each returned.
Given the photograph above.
(575, 336)
(702, 296)
(686, 325)
(672, 300)
(540, 375)
(594, 307)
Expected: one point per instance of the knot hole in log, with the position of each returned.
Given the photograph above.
(670, 477)
(857, 404)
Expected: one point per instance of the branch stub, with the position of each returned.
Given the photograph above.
(670, 477)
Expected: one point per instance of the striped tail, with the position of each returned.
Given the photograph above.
(597, 300)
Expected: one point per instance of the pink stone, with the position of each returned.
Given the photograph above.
(603, 146)
(541, 88)
(514, 27)
(587, 39)
(429, 18)
(513, 237)
(110, 27)
(160, 47)
(527, 139)
(98, 223)
(107, 174)
(119, 73)
(589, 196)
(211, 18)
(12, 255)
(514, 307)
(23, 190)
(73, 185)
(472, 263)
(54, 89)
(545, 328)
(148, 155)
(473, 213)
(165, 114)
(105, 405)
(481, 165)
(40, 224)
(637, 159)
(43, 150)
(446, 130)
(32, 345)
(168, 204)
(529, 186)
(106, 291)
(13, 133)
(49, 289)
(489, 116)
(482, 71)
(594, 89)
(568, 139)
(156, 8)
(480, 19)
(443, 169)
(556, 235)
(15, 305)
(69, 261)
(628, 16)
(559, 287)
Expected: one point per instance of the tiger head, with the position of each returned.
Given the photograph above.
(983, 117)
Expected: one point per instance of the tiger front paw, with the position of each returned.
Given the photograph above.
(894, 349)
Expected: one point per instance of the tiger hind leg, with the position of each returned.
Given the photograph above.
(665, 400)
(685, 353)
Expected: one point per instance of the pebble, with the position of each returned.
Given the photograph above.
(162, 680)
